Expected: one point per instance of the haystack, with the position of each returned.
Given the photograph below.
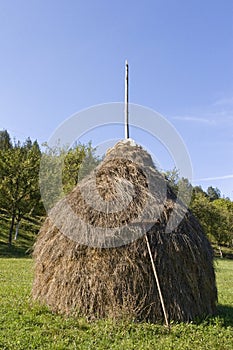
(81, 268)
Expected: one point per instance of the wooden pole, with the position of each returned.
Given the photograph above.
(126, 100)
(157, 281)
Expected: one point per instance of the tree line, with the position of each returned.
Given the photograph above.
(214, 212)
(20, 195)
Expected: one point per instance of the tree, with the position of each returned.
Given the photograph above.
(179, 185)
(5, 140)
(215, 217)
(79, 161)
(213, 193)
(19, 185)
(225, 207)
(201, 208)
(172, 176)
(185, 190)
(89, 162)
(214, 213)
(65, 168)
(72, 164)
(198, 189)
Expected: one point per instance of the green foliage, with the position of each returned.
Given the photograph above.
(225, 208)
(21, 184)
(51, 165)
(185, 190)
(173, 177)
(62, 169)
(78, 162)
(214, 213)
(26, 325)
(89, 162)
(180, 186)
(5, 140)
(19, 187)
(19, 168)
(215, 216)
(198, 190)
(213, 193)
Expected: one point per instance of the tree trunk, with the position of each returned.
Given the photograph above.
(11, 229)
(17, 229)
(220, 251)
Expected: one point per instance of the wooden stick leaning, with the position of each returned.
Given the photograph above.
(157, 281)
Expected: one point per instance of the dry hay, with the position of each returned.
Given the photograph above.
(76, 279)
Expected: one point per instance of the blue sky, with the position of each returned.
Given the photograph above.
(59, 57)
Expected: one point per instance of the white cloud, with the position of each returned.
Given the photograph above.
(219, 113)
(195, 119)
(223, 177)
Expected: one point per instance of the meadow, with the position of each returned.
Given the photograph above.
(26, 325)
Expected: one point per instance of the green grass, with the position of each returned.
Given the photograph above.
(25, 325)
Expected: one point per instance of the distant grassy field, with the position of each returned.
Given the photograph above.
(21, 247)
(24, 325)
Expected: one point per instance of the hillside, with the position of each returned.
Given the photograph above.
(22, 246)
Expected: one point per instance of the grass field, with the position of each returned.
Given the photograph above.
(24, 325)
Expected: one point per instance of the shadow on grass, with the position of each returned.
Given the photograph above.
(13, 251)
(225, 312)
(223, 317)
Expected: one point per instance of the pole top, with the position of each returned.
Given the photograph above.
(126, 101)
